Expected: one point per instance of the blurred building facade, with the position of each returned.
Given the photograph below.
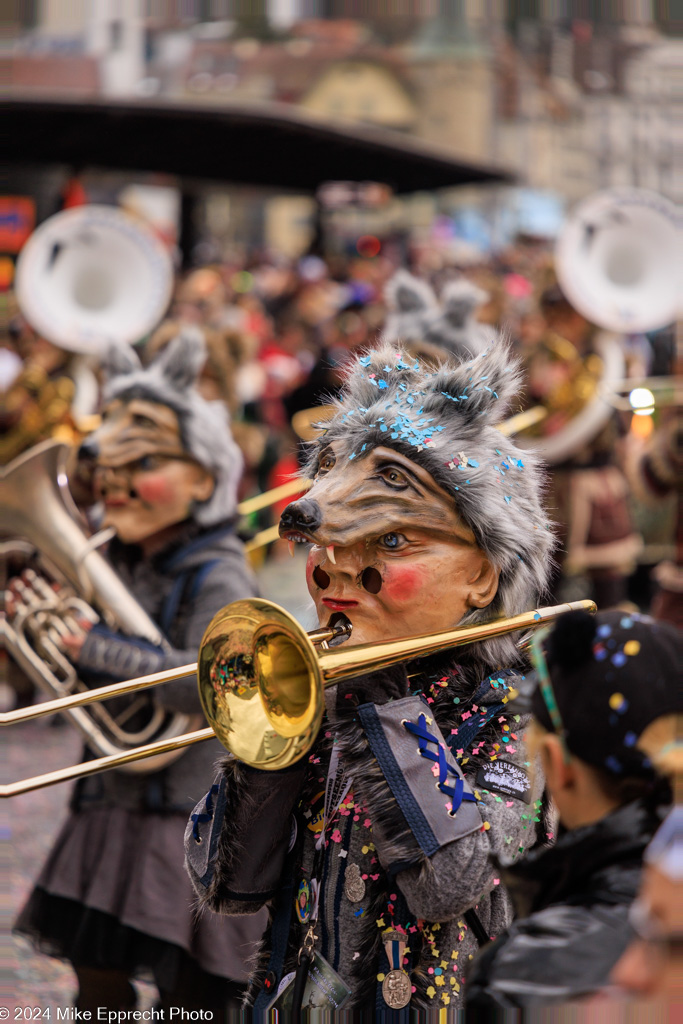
(571, 105)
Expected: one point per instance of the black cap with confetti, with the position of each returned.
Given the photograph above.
(612, 675)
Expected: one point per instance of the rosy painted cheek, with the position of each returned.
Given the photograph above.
(401, 583)
(154, 489)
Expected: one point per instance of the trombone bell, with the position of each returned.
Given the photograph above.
(260, 683)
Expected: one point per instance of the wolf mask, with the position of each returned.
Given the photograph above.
(444, 422)
(168, 385)
(417, 316)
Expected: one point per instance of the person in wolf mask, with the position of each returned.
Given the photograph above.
(113, 897)
(433, 329)
(374, 851)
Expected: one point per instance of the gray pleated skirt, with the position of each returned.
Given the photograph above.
(115, 883)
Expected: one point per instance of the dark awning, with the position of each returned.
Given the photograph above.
(269, 145)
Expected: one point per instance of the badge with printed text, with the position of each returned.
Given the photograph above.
(325, 992)
(506, 778)
(317, 818)
(302, 903)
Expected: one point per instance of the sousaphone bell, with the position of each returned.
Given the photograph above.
(93, 276)
(618, 262)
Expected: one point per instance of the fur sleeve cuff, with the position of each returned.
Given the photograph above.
(238, 836)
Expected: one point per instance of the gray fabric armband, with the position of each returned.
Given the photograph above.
(409, 773)
(107, 653)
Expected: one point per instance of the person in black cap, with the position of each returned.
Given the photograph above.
(651, 969)
(604, 686)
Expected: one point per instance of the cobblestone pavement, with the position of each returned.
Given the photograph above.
(31, 822)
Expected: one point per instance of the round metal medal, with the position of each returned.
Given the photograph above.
(396, 989)
(354, 886)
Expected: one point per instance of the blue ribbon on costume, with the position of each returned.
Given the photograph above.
(206, 816)
(396, 963)
(457, 791)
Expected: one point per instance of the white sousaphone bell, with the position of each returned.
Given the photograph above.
(93, 276)
(618, 260)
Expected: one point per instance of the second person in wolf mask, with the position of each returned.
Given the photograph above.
(373, 852)
(113, 898)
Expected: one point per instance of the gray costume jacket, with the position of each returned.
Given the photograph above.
(450, 744)
(181, 589)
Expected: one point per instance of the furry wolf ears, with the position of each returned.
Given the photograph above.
(486, 385)
(412, 307)
(119, 361)
(460, 300)
(179, 363)
(415, 315)
(405, 293)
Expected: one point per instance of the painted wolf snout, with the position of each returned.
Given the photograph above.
(304, 515)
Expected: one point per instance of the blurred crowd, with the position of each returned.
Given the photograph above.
(279, 333)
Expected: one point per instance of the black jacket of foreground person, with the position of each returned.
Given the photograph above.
(573, 901)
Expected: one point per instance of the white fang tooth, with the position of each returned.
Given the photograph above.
(330, 553)
(290, 545)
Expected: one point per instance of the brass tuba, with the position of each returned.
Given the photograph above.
(41, 528)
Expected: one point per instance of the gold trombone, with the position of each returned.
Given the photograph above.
(261, 682)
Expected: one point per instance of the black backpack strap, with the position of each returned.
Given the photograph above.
(478, 930)
(279, 931)
(186, 587)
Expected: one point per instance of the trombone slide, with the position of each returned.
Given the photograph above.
(103, 764)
